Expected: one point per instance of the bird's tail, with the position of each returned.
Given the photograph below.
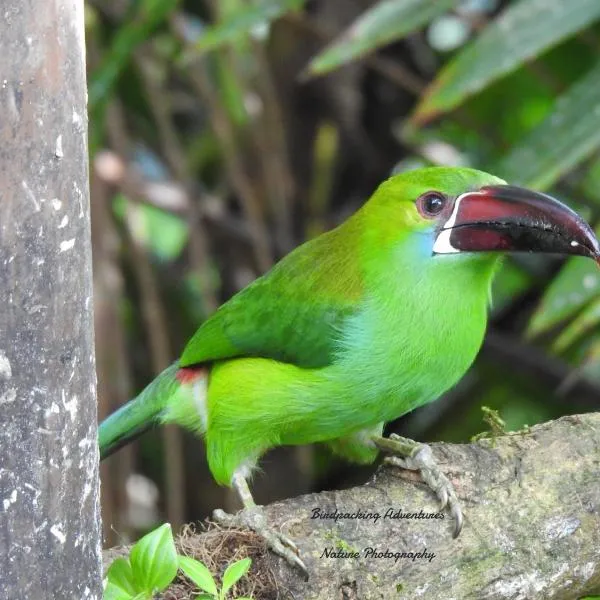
(176, 395)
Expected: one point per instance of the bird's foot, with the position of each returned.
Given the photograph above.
(254, 518)
(415, 456)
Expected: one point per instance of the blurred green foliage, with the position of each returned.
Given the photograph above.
(268, 121)
(386, 22)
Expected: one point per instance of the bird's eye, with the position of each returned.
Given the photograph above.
(431, 204)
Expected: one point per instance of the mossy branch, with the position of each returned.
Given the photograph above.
(532, 526)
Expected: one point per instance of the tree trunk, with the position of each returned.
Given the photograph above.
(49, 517)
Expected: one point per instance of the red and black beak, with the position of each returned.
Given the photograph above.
(512, 219)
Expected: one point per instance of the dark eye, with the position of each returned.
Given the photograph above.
(431, 204)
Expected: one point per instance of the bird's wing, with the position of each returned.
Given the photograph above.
(293, 314)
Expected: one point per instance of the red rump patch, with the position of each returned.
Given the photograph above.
(191, 374)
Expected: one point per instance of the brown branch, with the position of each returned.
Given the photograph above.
(532, 525)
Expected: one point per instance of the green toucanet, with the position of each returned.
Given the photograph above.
(353, 329)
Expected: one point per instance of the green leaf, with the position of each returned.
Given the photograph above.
(565, 138)
(577, 283)
(243, 21)
(120, 575)
(164, 233)
(136, 29)
(388, 21)
(205, 597)
(233, 573)
(154, 559)
(584, 323)
(199, 574)
(114, 592)
(230, 89)
(523, 31)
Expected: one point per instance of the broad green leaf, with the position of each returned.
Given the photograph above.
(199, 574)
(243, 21)
(523, 31)
(164, 233)
(120, 576)
(565, 138)
(154, 559)
(114, 592)
(577, 283)
(233, 573)
(584, 323)
(387, 21)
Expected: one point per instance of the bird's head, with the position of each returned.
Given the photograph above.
(462, 211)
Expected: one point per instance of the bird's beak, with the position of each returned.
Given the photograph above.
(512, 219)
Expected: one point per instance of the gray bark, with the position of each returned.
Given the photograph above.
(532, 525)
(49, 511)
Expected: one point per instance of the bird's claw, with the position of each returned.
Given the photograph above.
(254, 519)
(444, 496)
(421, 459)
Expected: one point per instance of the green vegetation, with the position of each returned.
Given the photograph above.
(153, 564)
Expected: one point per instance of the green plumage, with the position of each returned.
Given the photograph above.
(140, 414)
(293, 313)
(349, 331)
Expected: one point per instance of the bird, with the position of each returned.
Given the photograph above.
(350, 331)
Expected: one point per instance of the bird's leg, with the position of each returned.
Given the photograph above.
(415, 456)
(253, 517)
